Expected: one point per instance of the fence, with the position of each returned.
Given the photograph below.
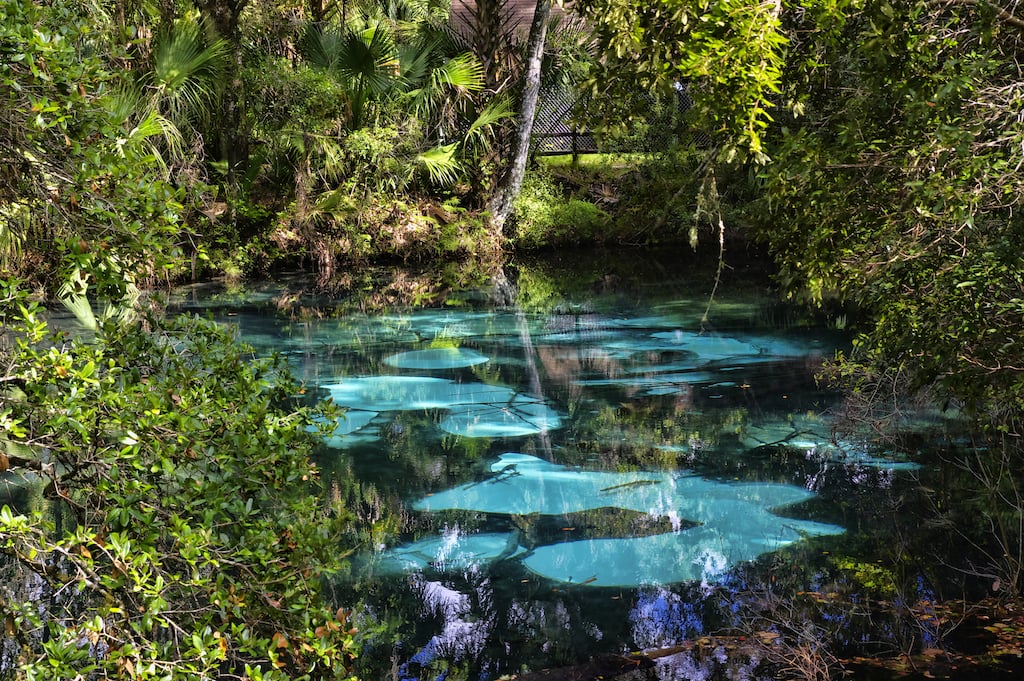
(658, 126)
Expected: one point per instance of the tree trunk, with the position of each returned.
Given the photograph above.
(233, 140)
(500, 205)
(168, 12)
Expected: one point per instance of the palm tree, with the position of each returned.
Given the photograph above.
(187, 62)
(395, 56)
(364, 58)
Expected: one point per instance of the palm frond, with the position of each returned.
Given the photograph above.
(15, 222)
(291, 140)
(124, 104)
(324, 152)
(441, 165)
(370, 59)
(72, 296)
(153, 125)
(364, 59)
(415, 61)
(332, 158)
(337, 204)
(463, 73)
(321, 47)
(498, 110)
(449, 81)
(186, 66)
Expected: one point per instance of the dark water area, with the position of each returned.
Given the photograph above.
(577, 458)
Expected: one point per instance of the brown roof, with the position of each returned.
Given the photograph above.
(518, 13)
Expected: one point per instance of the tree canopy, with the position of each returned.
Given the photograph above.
(896, 190)
(884, 140)
(731, 52)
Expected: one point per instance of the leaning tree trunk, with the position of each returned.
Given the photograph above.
(500, 205)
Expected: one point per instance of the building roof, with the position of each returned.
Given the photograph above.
(518, 13)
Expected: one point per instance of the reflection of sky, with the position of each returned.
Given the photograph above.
(538, 615)
(735, 522)
(451, 550)
(688, 666)
(661, 618)
(464, 633)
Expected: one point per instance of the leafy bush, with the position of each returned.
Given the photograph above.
(545, 217)
(84, 181)
(190, 541)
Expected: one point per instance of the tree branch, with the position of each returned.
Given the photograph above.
(1003, 15)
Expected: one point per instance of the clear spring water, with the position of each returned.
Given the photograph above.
(569, 459)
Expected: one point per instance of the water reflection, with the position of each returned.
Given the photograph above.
(463, 632)
(662, 618)
(575, 471)
(733, 521)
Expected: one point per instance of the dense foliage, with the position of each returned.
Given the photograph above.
(885, 139)
(82, 168)
(187, 541)
(731, 52)
(897, 190)
(244, 135)
(875, 147)
(170, 530)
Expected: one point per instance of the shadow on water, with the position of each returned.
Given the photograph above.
(577, 464)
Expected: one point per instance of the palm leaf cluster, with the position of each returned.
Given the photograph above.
(396, 59)
(187, 62)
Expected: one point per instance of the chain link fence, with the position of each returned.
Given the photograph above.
(658, 126)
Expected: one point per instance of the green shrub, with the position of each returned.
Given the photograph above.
(191, 542)
(546, 217)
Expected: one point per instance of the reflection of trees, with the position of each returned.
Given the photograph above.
(508, 292)
(657, 432)
(613, 428)
(377, 517)
(793, 635)
(607, 522)
(980, 505)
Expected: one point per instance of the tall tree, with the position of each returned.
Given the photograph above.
(501, 203)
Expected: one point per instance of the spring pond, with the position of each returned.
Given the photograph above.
(566, 460)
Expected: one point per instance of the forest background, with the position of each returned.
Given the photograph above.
(871, 149)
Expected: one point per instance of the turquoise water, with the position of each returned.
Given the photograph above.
(578, 458)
